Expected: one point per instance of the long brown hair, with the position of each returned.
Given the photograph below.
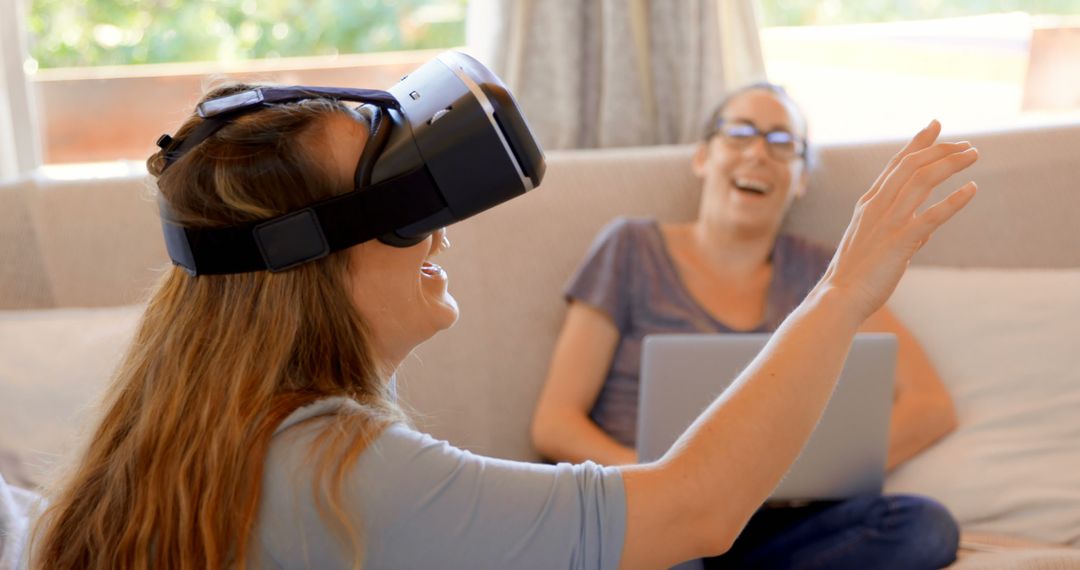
(171, 477)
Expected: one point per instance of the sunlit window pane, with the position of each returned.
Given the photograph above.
(880, 69)
(122, 32)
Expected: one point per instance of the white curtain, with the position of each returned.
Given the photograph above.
(605, 73)
(20, 152)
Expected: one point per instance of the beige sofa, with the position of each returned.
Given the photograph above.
(77, 257)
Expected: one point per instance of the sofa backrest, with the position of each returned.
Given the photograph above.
(97, 243)
(85, 243)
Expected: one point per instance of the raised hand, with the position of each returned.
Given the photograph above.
(887, 227)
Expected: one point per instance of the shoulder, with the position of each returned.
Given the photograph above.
(605, 278)
(620, 242)
(320, 407)
(627, 229)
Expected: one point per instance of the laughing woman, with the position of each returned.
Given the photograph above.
(732, 270)
(251, 424)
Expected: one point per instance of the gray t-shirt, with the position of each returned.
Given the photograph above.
(17, 509)
(630, 275)
(424, 504)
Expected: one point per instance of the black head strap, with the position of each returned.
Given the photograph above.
(308, 234)
(221, 111)
(174, 149)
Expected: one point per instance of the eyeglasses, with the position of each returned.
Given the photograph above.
(781, 145)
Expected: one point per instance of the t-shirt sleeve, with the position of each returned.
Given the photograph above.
(602, 280)
(432, 505)
(17, 509)
(422, 503)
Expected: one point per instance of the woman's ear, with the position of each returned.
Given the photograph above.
(802, 183)
(701, 155)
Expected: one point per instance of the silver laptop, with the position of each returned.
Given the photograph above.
(682, 374)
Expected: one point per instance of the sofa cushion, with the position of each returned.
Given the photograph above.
(1007, 345)
(54, 365)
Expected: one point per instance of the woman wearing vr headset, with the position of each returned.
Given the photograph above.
(732, 270)
(253, 423)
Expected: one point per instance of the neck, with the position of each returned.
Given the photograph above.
(732, 250)
(388, 365)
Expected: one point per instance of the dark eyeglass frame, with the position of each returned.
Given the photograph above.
(774, 140)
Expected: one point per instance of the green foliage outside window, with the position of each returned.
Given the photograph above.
(826, 12)
(67, 33)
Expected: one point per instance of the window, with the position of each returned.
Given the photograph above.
(134, 67)
(873, 69)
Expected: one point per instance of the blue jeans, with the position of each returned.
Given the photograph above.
(880, 532)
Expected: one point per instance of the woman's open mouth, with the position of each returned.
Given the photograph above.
(751, 186)
(429, 269)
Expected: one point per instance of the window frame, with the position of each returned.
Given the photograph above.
(133, 105)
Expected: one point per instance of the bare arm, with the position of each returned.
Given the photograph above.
(695, 500)
(561, 427)
(923, 411)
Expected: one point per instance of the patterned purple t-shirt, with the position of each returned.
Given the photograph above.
(629, 275)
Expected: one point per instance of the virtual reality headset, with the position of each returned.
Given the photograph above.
(446, 142)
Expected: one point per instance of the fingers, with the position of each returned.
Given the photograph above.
(920, 141)
(921, 172)
(906, 184)
(929, 221)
